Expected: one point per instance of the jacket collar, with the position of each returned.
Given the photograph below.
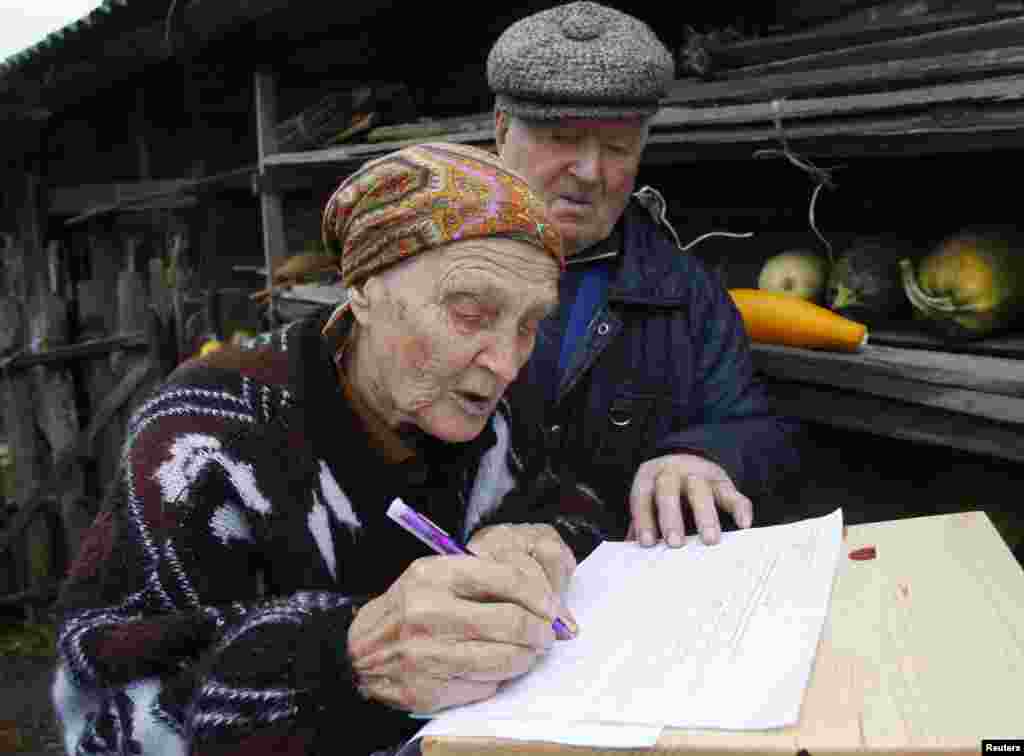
(646, 276)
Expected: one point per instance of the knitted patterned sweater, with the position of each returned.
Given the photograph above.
(208, 610)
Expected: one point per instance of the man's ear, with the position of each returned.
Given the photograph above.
(500, 130)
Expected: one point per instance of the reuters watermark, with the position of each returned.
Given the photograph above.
(1002, 746)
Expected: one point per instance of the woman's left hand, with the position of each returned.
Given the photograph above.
(535, 549)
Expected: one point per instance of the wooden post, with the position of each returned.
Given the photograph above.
(97, 314)
(57, 419)
(34, 555)
(182, 275)
(271, 206)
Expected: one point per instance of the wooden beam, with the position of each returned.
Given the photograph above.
(930, 35)
(896, 419)
(69, 353)
(950, 128)
(275, 248)
(164, 194)
(778, 54)
(863, 77)
(862, 378)
(73, 200)
(991, 375)
(1006, 89)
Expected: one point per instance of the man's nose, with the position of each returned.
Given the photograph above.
(587, 166)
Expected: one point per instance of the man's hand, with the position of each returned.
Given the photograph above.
(450, 630)
(664, 485)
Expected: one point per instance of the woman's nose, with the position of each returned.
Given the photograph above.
(503, 358)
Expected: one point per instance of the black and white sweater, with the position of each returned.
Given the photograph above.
(209, 609)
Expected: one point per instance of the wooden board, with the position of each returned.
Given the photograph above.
(955, 128)
(271, 204)
(763, 51)
(897, 419)
(811, 51)
(1004, 89)
(866, 77)
(1009, 345)
(990, 387)
(896, 670)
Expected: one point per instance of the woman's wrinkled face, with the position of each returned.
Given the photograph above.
(441, 336)
(585, 171)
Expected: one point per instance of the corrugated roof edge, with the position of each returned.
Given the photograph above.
(62, 35)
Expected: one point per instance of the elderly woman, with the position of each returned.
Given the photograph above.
(244, 591)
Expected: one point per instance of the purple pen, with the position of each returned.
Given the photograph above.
(439, 541)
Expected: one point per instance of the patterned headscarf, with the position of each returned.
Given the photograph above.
(426, 196)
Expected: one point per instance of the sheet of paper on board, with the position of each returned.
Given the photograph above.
(719, 637)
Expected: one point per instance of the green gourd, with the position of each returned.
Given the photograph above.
(971, 285)
(865, 282)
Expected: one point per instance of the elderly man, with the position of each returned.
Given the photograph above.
(646, 374)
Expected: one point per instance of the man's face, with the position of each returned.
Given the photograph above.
(584, 170)
(442, 336)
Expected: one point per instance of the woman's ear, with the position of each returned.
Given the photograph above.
(359, 301)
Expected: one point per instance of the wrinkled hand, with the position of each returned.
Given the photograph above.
(534, 549)
(664, 485)
(450, 630)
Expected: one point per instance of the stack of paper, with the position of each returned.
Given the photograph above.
(718, 636)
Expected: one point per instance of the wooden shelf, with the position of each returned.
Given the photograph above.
(960, 130)
(286, 170)
(883, 416)
(969, 386)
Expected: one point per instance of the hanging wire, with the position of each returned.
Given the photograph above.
(821, 176)
(649, 195)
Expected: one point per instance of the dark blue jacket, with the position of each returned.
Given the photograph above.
(664, 366)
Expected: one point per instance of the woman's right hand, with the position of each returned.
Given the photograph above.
(449, 631)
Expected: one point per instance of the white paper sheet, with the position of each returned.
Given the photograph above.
(716, 637)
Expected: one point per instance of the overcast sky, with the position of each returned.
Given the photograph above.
(23, 23)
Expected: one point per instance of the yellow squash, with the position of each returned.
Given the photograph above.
(772, 318)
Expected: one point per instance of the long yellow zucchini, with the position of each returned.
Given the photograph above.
(772, 318)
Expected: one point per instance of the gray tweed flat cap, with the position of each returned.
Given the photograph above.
(579, 60)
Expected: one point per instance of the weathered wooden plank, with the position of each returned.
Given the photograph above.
(275, 243)
(72, 200)
(1009, 345)
(1004, 89)
(357, 154)
(174, 194)
(991, 375)
(997, 407)
(896, 419)
(809, 52)
(858, 377)
(863, 77)
(960, 129)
